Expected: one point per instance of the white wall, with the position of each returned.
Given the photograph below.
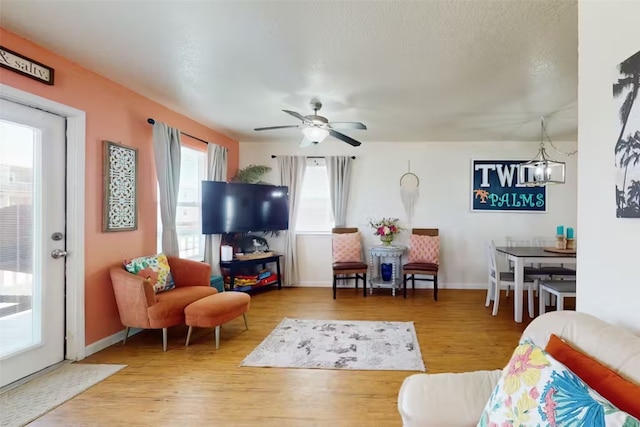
(608, 258)
(444, 170)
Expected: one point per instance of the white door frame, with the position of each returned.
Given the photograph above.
(76, 140)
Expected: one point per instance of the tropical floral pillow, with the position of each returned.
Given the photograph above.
(154, 268)
(537, 390)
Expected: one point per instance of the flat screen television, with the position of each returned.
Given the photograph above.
(230, 207)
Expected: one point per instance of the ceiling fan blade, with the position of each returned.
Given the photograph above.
(347, 125)
(306, 143)
(343, 137)
(297, 115)
(277, 127)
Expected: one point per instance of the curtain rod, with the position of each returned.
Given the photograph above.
(273, 156)
(152, 121)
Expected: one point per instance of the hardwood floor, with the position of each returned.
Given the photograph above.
(198, 385)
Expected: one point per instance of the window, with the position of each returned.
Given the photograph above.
(188, 213)
(314, 212)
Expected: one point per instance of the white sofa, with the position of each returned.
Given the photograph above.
(458, 399)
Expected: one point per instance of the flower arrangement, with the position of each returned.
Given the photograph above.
(386, 227)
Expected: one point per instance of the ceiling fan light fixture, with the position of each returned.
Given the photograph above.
(315, 134)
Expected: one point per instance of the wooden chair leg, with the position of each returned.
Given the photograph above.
(334, 286)
(404, 282)
(126, 335)
(413, 281)
(364, 284)
(435, 288)
(217, 337)
(186, 344)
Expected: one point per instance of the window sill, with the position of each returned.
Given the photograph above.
(313, 233)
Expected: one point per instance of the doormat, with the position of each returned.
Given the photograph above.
(339, 344)
(35, 398)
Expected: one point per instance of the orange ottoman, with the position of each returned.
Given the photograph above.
(214, 310)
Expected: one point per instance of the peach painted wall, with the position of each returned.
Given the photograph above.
(118, 114)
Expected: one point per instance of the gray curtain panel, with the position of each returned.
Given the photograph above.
(166, 149)
(216, 171)
(339, 171)
(291, 174)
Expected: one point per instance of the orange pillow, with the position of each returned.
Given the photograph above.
(425, 249)
(622, 393)
(347, 247)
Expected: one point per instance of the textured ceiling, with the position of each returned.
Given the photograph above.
(410, 70)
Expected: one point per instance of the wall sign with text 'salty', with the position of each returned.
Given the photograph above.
(496, 187)
(27, 67)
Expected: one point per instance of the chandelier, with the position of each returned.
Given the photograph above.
(543, 170)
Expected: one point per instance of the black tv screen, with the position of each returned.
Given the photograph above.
(229, 207)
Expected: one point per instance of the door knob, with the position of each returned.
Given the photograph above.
(58, 253)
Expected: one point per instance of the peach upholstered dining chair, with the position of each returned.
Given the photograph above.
(424, 258)
(346, 249)
(140, 307)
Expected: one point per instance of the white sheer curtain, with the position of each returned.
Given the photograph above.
(339, 171)
(291, 174)
(216, 171)
(166, 149)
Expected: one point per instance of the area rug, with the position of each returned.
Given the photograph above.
(335, 344)
(35, 398)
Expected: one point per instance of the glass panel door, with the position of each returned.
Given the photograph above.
(32, 240)
(19, 299)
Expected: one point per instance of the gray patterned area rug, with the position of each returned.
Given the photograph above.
(339, 344)
(35, 398)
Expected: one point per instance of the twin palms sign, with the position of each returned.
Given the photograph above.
(496, 187)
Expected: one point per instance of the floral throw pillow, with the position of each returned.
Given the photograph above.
(537, 390)
(347, 247)
(425, 249)
(154, 268)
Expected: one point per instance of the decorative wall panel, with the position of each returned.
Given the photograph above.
(120, 210)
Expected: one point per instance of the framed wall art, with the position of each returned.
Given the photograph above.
(627, 144)
(496, 187)
(120, 171)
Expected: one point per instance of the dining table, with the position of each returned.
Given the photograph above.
(522, 255)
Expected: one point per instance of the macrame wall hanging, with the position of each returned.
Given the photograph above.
(409, 184)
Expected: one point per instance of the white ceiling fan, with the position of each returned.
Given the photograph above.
(316, 128)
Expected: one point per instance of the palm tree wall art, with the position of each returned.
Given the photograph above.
(627, 148)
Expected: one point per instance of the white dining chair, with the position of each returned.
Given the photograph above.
(513, 242)
(552, 271)
(502, 280)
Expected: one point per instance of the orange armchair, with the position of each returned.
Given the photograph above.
(139, 307)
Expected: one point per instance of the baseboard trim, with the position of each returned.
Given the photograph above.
(419, 285)
(108, 341)
(314, 284)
